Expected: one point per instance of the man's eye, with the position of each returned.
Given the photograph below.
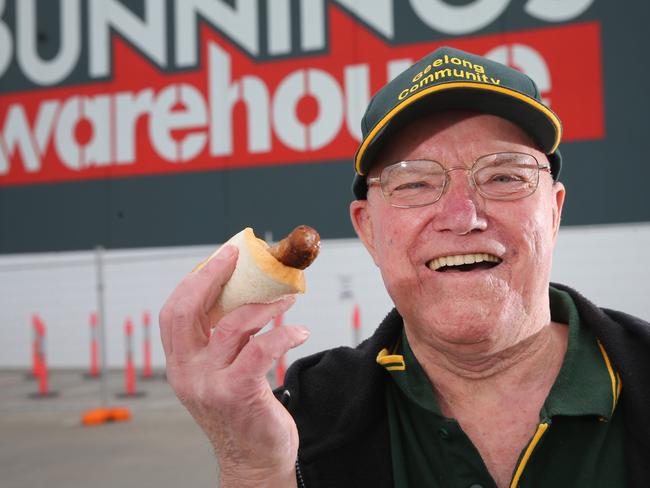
(505, 178)
(412, 185)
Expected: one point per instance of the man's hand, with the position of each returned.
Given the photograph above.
(220, 376)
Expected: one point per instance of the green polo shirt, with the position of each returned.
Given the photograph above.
(578, 443)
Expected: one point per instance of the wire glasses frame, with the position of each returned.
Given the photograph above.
(496, 176)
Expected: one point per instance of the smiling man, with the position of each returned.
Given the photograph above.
(484, 374)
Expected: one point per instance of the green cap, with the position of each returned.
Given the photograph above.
(450, 79)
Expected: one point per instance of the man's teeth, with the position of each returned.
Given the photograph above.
(459, 259)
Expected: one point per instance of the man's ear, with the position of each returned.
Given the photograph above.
(559, 194)
(362, 224)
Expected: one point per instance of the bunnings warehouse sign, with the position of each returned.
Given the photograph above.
(110, 88)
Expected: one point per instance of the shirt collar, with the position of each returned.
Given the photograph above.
(586, 384)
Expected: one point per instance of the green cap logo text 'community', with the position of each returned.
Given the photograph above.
(477, 74)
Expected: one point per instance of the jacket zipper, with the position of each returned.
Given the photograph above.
(301, 481)
(285, 399)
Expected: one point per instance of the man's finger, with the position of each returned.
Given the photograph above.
(164, 323)
(257, 356)
(233, 331)
(201, 285)
(215, 274)
(190, 324)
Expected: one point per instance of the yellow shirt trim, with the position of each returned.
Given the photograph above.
(392, 362)
(541, 428)
(614, 377)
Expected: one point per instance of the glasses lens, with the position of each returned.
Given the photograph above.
(506, 176)
(413, 183)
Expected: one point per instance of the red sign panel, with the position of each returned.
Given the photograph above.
(237, 112)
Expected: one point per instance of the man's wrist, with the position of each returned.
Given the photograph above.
(238, 478)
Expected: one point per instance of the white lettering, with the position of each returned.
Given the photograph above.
(178, 107)
(554, 11)
(325, 89)
(458, 19)
(238, 20)
(279, 26)
(92, 114)
(239, 23)
(526, 59)
(66, 146)
(44, 121)
(148, 36)
(6, 42)
(256, 98)
(128, 109)
(97, 111)
(16, 134)
(289, 129)
(179, 121)
(223, 94)
(312, 25)
(294, 133)
(357, 88)
(58, 68)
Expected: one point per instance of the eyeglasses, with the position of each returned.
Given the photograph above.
(421, 182)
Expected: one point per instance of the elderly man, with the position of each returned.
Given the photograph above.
(484, 374)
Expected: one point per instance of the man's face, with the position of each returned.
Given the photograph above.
(487, 307)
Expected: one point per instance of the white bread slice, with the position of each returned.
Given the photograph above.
(258, 276)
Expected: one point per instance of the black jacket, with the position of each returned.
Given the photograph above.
(338, 401)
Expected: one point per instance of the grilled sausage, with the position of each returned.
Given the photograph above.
(299, 249)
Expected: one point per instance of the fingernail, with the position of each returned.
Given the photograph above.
(303, 331)
(227, 252)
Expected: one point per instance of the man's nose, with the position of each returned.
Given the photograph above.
(460, 208)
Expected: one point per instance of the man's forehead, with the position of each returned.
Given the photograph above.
(447, 133)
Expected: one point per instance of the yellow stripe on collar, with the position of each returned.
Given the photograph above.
(614, 377)
(392, 362)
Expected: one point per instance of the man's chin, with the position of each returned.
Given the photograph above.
(452, 298)
(466, 332)
(485, 300)
(468, 316)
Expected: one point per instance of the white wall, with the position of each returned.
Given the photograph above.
(608, 264)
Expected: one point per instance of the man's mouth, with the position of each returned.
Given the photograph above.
(464, 262)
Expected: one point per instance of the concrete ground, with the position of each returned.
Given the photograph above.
(42, 441)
